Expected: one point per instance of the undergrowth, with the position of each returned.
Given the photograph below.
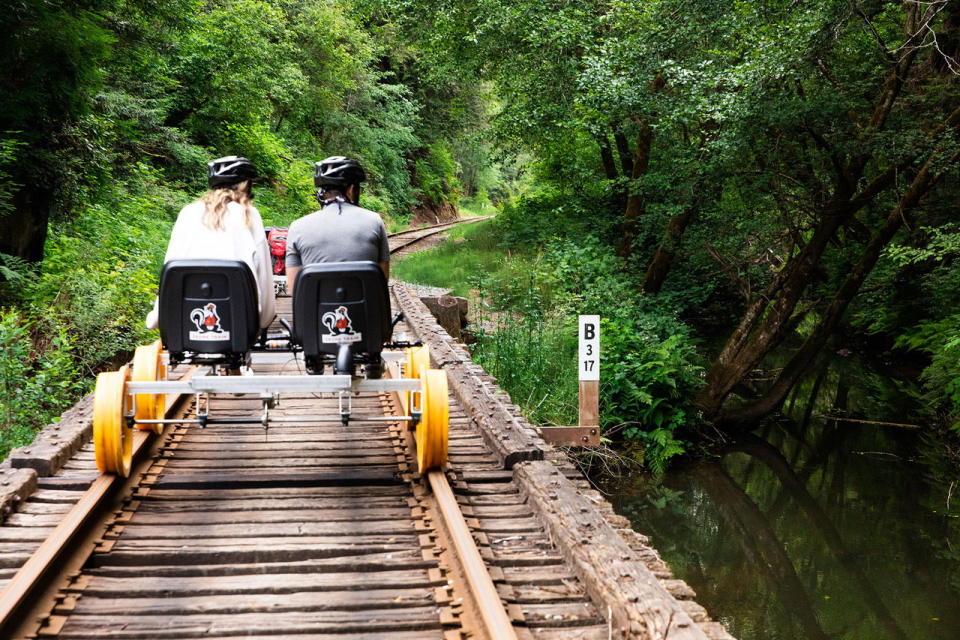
(527, 288)
(471, 249)
(36, 385)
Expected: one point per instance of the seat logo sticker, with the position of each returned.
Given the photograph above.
(207, 321)
(340, 325)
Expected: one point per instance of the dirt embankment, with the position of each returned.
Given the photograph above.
(427, 214)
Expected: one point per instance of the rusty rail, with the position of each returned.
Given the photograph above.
(431, 231)
(33, 574)
(497, 623)
(16, 596)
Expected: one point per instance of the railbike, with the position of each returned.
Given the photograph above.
(209, 318)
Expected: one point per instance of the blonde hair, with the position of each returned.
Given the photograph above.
(216, 202)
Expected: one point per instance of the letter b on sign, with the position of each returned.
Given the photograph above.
(589, 342)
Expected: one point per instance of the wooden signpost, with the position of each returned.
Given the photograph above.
(588, 433)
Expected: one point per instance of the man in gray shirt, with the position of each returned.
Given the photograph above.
(340, 231)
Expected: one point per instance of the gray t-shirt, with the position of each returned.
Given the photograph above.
(337, 234)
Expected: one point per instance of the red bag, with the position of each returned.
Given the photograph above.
(277, 239)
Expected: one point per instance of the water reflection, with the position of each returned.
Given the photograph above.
(814, 527)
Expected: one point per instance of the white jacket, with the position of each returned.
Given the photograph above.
(190, 238)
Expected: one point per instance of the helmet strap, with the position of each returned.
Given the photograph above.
(324, 201)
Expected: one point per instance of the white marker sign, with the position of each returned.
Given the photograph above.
(589, 347)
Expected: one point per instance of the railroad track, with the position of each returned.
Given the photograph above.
(403, 242)
(313, 530)
(236, 530)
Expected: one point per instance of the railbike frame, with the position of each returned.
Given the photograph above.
(204, 384)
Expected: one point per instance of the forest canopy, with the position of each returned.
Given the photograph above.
(762, 170)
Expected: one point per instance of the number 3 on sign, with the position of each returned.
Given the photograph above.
(589, 347)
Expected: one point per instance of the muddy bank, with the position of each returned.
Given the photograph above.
(428, 214)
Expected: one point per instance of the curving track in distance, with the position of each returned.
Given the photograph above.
(404, 242)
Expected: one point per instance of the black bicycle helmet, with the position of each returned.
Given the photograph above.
(229, 170)
(337, 171)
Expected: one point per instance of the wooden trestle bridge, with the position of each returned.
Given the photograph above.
(310, 529)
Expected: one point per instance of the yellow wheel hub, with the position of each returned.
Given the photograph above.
(432, 431)
(418, 359)
(148, 367)
(112, 438)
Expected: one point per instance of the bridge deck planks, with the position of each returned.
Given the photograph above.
(309, 526)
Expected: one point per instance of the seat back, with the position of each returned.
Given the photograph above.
(208, 307)
(337, 303)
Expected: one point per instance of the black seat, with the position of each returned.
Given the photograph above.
(208, 311)
(341, 311)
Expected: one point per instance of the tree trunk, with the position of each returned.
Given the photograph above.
(801, 360)
(24, 230)
(749, 343)
(606, 156)
(636, 205)
(665, 253)
(766, 321)
(623, 149)
(450, 313)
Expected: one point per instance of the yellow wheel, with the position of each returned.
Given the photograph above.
(147, 367)
(418, 360)
(112, 438)
(434, 424)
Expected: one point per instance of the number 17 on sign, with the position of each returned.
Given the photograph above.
(589, 362)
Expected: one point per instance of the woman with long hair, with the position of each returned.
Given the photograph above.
(223, 224)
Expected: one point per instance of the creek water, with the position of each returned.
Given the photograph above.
(815, 527)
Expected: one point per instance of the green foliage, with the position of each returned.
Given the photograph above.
(943, 243)
(647, 382)
(85, 307)
(436, 175)
(100, 273)
(532, 354)
(15, 273)
(9, 144)
(37, 379)
(262, 146)
(941, 340)
(545, 213)
(526, 305)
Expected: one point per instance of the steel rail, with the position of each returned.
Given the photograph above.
(492, 611)
(438, 228)
(31, 575)
(438, 225)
